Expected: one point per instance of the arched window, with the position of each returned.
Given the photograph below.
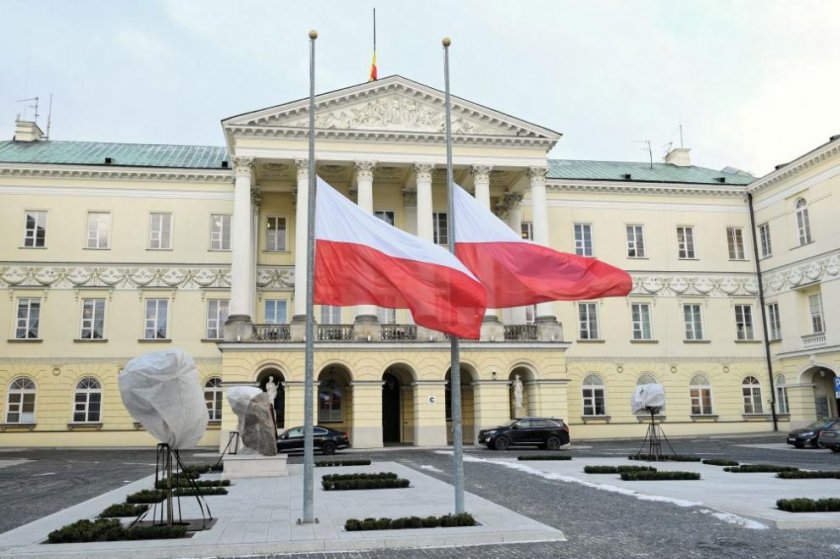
(594, 402)
(781, 395)
(87, 401)
(20, 405)
(647, 378)
(803, 223)
(701, 395)
(213, 398)
(330, 400)
(752, 395)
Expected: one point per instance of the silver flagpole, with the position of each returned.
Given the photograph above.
(308, 442)
(455, 373)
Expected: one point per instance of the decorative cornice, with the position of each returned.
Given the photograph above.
(810, 159)
(802, 273)
(644, 188)
(696, 284)
(116, 173)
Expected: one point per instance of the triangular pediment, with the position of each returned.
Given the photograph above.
(391, 105)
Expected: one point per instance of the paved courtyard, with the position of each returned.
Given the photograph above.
(596, 523)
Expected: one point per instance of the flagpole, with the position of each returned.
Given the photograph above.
(308, 441)
(455, 371)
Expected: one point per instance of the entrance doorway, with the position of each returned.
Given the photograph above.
(271, 380)
(825, 402)
(391, 422)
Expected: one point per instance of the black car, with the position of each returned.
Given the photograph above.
(544, 432)
(830, 438)
(326, 440)
(809, 435)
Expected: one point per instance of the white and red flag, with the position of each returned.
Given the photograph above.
(362, 260)
(518, 272)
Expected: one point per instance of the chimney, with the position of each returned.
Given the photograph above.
(27, 131)
(678, 157)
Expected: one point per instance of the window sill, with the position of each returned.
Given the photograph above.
(155, 341)
(756, 417)
(211, 340)
(747, 341)
(160, 249)
(644, 341)
(765, 257)
(803, 245)
(90, 340)
(704, 417)
(638, 258)
(595, 419)
(83, 426)
(591, 341)
(687, 258)
(282, 251)
(31, 248)
(646, 418)
(214, 425)
(697, 341)
(25, 340)
(775, 341)
(218, 250)
(17, 426)
(738, 260)
(96, 248)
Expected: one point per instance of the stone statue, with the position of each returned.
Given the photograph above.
(256, 425)
(271, 389)
(517, 392)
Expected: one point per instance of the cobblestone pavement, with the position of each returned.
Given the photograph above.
(597, 524)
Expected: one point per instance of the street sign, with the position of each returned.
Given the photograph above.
(837, 387)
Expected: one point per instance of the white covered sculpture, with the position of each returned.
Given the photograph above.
(648, 397)
(256, 424)
(161, 391)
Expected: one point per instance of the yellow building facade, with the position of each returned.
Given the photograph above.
(113, 250)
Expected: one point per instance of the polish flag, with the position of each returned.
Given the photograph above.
(362, 260)
(518, 272)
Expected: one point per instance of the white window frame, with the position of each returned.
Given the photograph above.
(782, 403)
(160, 231)
(774, 321)
(744, 325)
(815, 309)
(272, 309)
(751, 391)
(647, 378)
(330, 314)
(151, 324)
(17, 401)
(640, 317)
(90, 404)
(388, 216)
(440, 228)
(685, 242)
(98, 230)
(274, 241)
(92, 324)
(803, 222)
(635, 241)
(526, 230)
(700, 394)
(588, 321)
(735, 243)
(584, 245)
(694, 322)
(217, 313)
(213, 392)
(220, 230)
(593, 396)
(765, 244)
(30, 234)
(530, 314)
(23, 324)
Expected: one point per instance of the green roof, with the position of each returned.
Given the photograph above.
(630, 171)
(122, 155)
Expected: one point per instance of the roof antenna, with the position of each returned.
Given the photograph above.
(35, 106)
(49, 119)
(681, 137)
(650, 153)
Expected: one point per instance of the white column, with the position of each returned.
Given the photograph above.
(424, 200)
(364, 184)
(256, 200)
(481, 181)
(241, 249)
(513, 203)
(539, 218)
(301, 218)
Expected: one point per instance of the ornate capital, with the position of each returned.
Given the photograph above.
(364, 170)
(302, 169)
(243, 165)
(482, 172)
(537, 175)
(424, 171)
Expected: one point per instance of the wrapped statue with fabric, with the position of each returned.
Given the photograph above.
(257, 428)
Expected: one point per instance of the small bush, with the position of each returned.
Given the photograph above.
(344, 477)
(616, 469)
(123, 509)
(332, 463)
(376, 483)
(809, 505)
(430, 522)
(158, 495)
(446, 521)
(106, 530)
(659, 476)
(195, 470)
(665, 458)
(544, 457)
(808, 475)
(759, 469)
(721, 462)
(181, 482)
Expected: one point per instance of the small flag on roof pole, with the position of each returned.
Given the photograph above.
(373, 73)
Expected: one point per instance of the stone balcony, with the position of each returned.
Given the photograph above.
(813, 341)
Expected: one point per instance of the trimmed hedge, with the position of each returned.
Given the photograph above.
(195, 470)
(544, 457)
(616, 469)
(123, 509)
(659, 476)
(332, 463)
(721, 462)
(759, 469)
(446, 521)
(375, 483)
(106, 530)
(665, 458)
(181, 482)
(809, 505)
(344, 477)
(158, 495)
(809, 475)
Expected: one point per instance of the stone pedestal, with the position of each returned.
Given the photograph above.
(239, 328)
(548, 329)
(297, 328)
(366, 328)
(492, 329)
(237, 466)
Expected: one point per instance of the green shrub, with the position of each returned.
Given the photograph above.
(809, 505)
(447, 521)
(182, 482)
(544, 457)
(659, 476)
(616, 469)
(759, 469)
(665, 457)
(123, 509)
(332, 463)
(375, 483)
(808, 475)
(344, 477)
(158, 495)
(353, 525)
(430, 522)
(195, 470)
(721, 462)
(105, 530)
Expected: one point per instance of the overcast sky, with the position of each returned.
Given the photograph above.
(753, 83)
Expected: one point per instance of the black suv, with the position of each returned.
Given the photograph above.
(325, 439)
(544, 432)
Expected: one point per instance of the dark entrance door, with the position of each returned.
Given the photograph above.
(390, 409)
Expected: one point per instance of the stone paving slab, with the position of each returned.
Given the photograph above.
(258, 516)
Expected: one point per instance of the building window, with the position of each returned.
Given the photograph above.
(735, 241)
(160, 231)
(781, 395)
(701, 395)
(213, 398)
(440, 228)
(775, 322)
(647, 378)
(93, 319)
(157, 314)
(386, 316)
(752, 395)
(217, 314)
(98, 229)
(635, 241)
(816, 309)
(330, 315)
(87, 401)
(764, 240)
(588, 316)
(641, 321)
(583, 239)
(594, 402)
(20, 402)
(685, 242)
(275, 234)
(28, 319)
(526, 230)
(220, 232)
(35, 229)
(275, 311)
(385, 215)
(330, 399)
(803, 223)
(693, 322)
(744, 322)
